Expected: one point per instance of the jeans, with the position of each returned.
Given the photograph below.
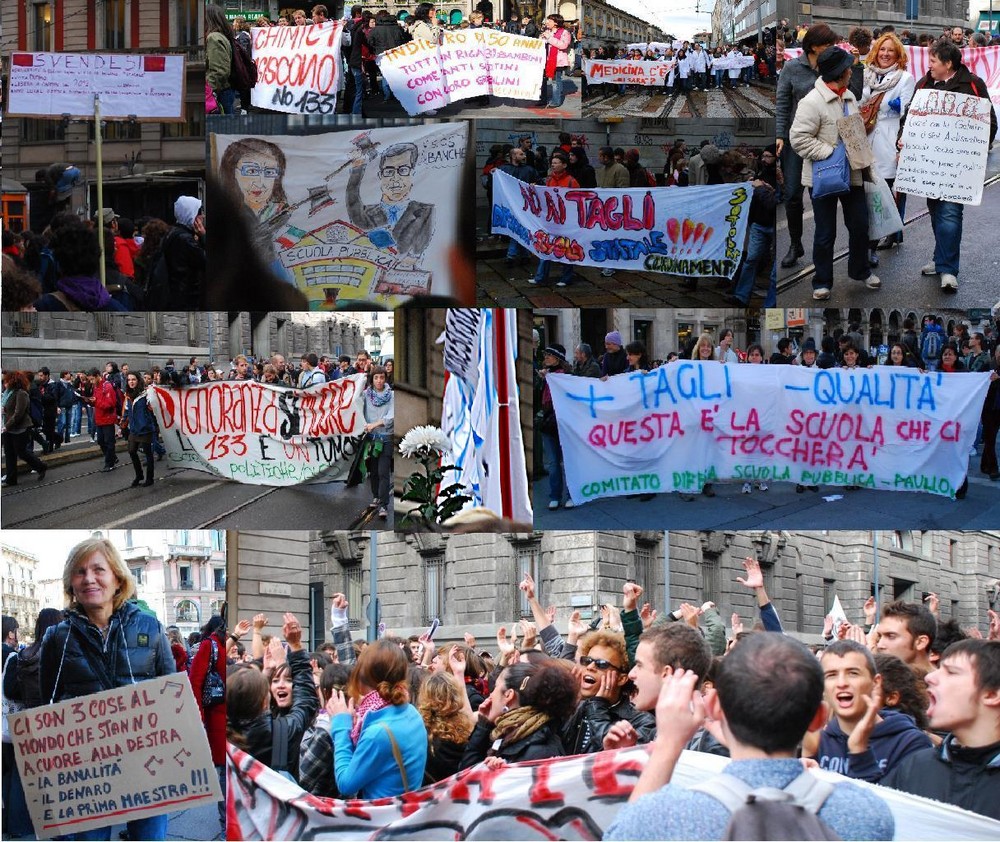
(556, 100)
(227, 101)
(856, 219)
(151, 829)
(386, 90)
(380, 474)
(106, 441)
(64, 423)
(771, 299)
(946, 222)
(552, 458)
(542, 272)
(76, 418)
(758, 249)
(718, 78)
(90, 420)
(794, 207)
(515, 249)
(359, 88)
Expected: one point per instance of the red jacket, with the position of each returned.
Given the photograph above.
(125, 252)
(214, 716)
(105, 404)
(563, 180)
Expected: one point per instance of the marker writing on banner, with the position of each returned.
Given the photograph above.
(626, 249)
(592, 211)
(656, 426)
(503, 217)
(895, 390)
(682, 382)
(733, 249)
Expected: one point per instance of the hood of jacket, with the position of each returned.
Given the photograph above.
(87, 292)
(186, 209)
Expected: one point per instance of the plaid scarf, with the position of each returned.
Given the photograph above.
(372, 702)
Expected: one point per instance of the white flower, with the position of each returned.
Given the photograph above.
(424, 439)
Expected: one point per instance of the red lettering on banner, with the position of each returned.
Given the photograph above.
(557, 246)
(947, 429)
(841, 426)
(413, 800)
(752, 424)
(540, 795)
(356, 809)
(604, 771)
(478, 775)
(593, 211)
(914, 430)
(657, 425)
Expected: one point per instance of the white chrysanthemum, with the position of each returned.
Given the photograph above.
(424, 438)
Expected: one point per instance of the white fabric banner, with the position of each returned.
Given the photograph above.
(148, 87)
(298, 67)
(461, 343)
(561, 798)
(626, 72)
(260, 434)
(468, 63)
(364, 215)
(688, 423)
(732, 62)
(946, 141)
(687, 231)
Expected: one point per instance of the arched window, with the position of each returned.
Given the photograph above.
(187, 612)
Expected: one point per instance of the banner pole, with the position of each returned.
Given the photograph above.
(503, 407)
(100, 184)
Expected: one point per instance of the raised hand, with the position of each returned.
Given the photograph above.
(994, 617)
(871, 610)
(828, 625)
(576, 627)
(274, 654)
(857, 742)
(933, 603)
(470, 641)
(680, 710)
(737, 624)
(647, 615)
(528, 586)
(292, 631)
(621, 735)
(456, 660)
(242, 627)
(503, 644)
(259, 621)
(550, 614)
(690, 614)
(630, 595)
(339, 601)
(754, 579)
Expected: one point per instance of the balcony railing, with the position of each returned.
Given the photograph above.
(186, 586)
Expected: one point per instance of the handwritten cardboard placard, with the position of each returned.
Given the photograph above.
(147, 87)
(852, 131)
(627, 72)
(298, 67)
(260, 434)
(685, 424)
(468, 63)
(686, 231)
(946, 141)
(115, 756)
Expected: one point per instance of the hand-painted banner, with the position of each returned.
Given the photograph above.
(115, 756)
(260, 434)
(946, 141)
(685, 424)
(468, 63)
(687, 231)
(627, 72)
(732, 62)
(561, 798)
(351, 217)
(983, 61)
(298, 67)
(145, 87)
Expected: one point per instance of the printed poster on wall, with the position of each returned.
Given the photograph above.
(298, 67)
(351, 216)
(689, 423)
(260, 434)
(687, 231)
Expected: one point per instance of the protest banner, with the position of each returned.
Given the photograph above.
(732, 62)
(468, 63)
(946, 141)
(626, 72)
(560, 798)
(298, 67)
(130, 86)
(115, 756)
(685, 424)
(261, 434)
(688, 231)
(363, 216)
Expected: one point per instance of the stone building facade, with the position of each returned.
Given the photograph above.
(80, 340)
(470, 581)
(19, 589)
(934, 15)
(146, 164)
(604, 23)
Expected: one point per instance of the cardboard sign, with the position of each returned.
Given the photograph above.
(946, 141)
(146, 87)
(685, 424)
(627, 72)
(298, 67)
(687, 231)
(468, 63)
(260, 434)
(852, 131)
(114, 756)
(366, 215)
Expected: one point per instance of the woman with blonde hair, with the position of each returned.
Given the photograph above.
(448, 717)
(105, 642)
(887, 92)
(704, 349)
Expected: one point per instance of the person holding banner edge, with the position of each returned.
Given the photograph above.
(106, 641)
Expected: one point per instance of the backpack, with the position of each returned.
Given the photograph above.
(930, 345)
(769, 813)
(243, 70)
(35, 407)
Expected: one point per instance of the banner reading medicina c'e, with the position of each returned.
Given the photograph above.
(685, 424)
(260, 434)
(468, 63)
(362, 215)
(626, 72)
(687, 231)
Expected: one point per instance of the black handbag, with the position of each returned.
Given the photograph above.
(213, 690)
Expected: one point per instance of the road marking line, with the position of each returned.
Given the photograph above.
(158, 506)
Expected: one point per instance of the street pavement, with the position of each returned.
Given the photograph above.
(76, 494)
(780, 507)
(742, 102)
(899, 268)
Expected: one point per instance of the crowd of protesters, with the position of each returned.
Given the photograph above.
(105, 638)
(928, 350)
(905, 700)
(148, 263)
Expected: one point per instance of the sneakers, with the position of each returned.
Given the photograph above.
(562, 283)
(553, 505)
(569, 504)
(747, 488)
(762, 486)
(821, 294)
(534, 281)
(949, 283)
(929, 269)
(383, 512)
(872, 282)
(607, 273)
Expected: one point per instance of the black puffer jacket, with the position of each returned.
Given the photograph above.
(387, 35)
(265, 732)
(77, 661)
(539, 745)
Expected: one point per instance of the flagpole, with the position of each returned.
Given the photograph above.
(100, 184)
(503, 407)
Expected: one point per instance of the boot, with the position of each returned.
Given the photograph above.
(149, 474)
(795, 251)
(137, 480)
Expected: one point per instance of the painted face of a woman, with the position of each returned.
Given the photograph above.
(256, 174)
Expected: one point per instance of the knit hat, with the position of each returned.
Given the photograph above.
(832, 63)
(809, 345)
(614, 338)
(556, 350)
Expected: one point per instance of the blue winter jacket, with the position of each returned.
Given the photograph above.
(891, 740)
(369, 768)
(141, 420)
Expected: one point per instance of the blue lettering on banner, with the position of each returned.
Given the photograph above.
(682, 381)
(622, 249)
(592, 399)
(903, 390)
(503, 217)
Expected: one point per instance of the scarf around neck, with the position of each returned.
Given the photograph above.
(378, 398)
(372, 702)
(881, 79)
(517, 724)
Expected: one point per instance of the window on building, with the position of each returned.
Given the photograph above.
(115, 30)
(800, 604)
(354, 591)
(193, 124)
(434, 572)
(829, 592)
(187, 612)
(952, 553)
(186, 582)
(188, 31)
(645, 571)
(136, 574)
(219, 578)
(529, 562)
(42, 131)
(410, 366)
(116, 130)
(42, 36)
(218, 539)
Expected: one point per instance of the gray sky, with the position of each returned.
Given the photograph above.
(676, 17)
(50, 546)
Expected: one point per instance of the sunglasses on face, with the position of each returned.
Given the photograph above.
(599, 663)
(256, 170)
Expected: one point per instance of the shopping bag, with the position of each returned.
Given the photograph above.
(883, 216)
